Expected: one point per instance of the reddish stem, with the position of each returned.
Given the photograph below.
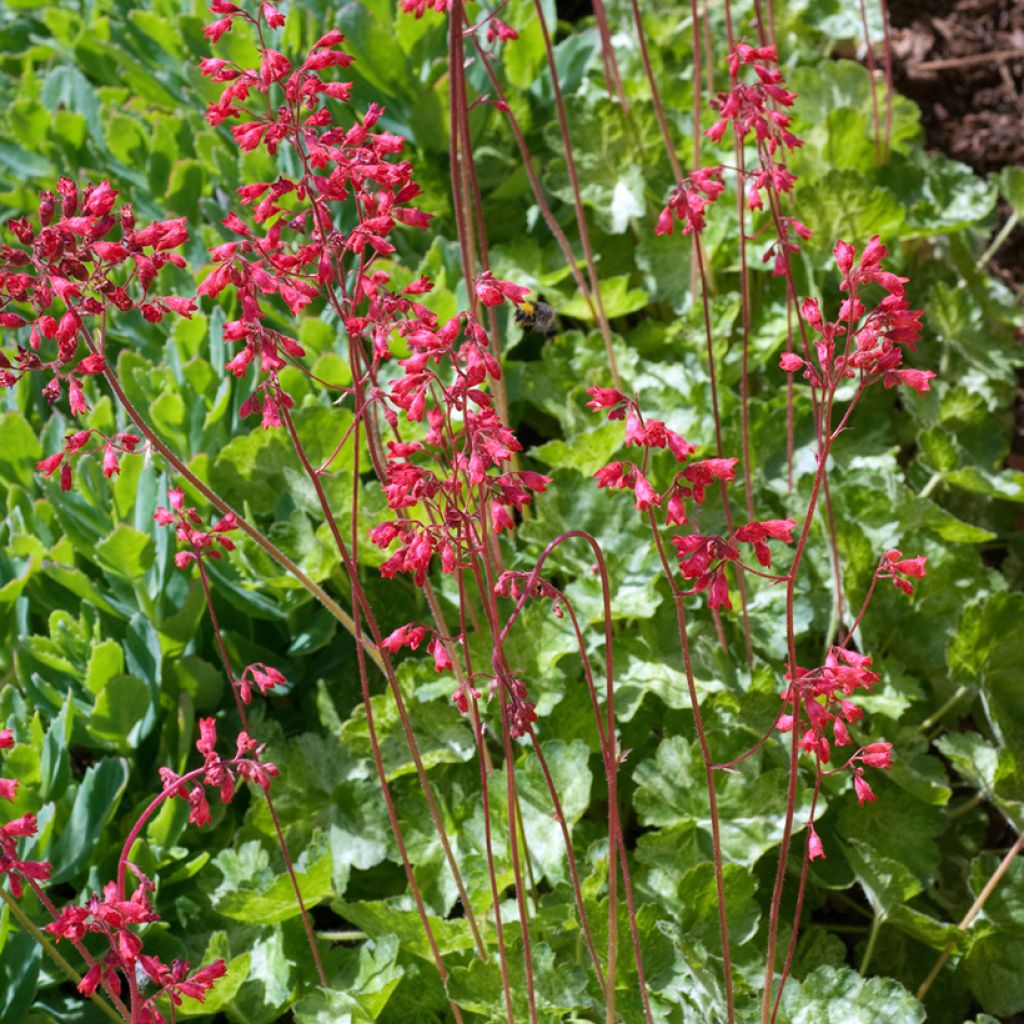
(243, 715)
(581, 217)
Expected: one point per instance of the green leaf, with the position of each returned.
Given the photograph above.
(360, 990)
(986, 649)
(1011, 187)
(586, 453)
(120, 709)
(20, 451)
(55, 764)
(619, 299)
(98, 797)
(126, 552)
(558, 990)
(993, 971)
(837, 205)
(568, 765)
(752, 805)
(831, 995)
(19, 972)
(383, 917)
(185, 187)
(251, 891)
(106, 660)
(126, 138)
(886, 882)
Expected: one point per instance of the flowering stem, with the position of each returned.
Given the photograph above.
(741, 216)
(800, 892)
(267, 546)
(612, 78)
(719, 443)
(485, 588)
(535, 187)
(780, 875)
(481, 746)
(360, 601)
(870, 60)
(659, 109)
(82, 951)
(608, 744)
(889, 89)
(52, 952)
(581, 217)
(396, 829)
(709, 769)
(281, 842)
(570, 854)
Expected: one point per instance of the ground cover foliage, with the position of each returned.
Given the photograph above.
(111, 665)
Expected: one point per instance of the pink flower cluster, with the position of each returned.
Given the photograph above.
(412, 636)
(895, 568)
(75, 446)
(291, 248)
(198, 543)
(688, 201)
(66, 272)
(702, 559)
(113, 917)
(218, 772)
(457, 473)
(858, 342)
(515, 583)
(11, 863)
(823, 694)
(752, 107)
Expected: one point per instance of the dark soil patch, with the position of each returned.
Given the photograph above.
(962, 62)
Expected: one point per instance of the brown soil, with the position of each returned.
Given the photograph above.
(962, 62)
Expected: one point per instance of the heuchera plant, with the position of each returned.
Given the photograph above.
(430, 427)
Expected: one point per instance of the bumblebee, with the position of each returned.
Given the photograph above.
(535, 315)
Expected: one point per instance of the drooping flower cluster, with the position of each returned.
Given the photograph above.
(218, 772)
(702, 558)
(824, 692)
(825, 709)
(689, 199)
(11, 863)
(263, 677)
(8, 787)
(872, 755)
(114, 918)
(78, 262)
(859, 343)
(76, 444)
(198, 543)
(412, 636)
(895, 568)
(515, 583)
(458, 473)
(750, 107)
(419, 7)
(292, 248)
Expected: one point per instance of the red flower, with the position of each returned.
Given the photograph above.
(814, 847)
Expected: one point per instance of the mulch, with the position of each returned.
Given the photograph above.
(962, 62)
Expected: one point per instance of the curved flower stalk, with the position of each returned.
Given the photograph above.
(864, 345)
